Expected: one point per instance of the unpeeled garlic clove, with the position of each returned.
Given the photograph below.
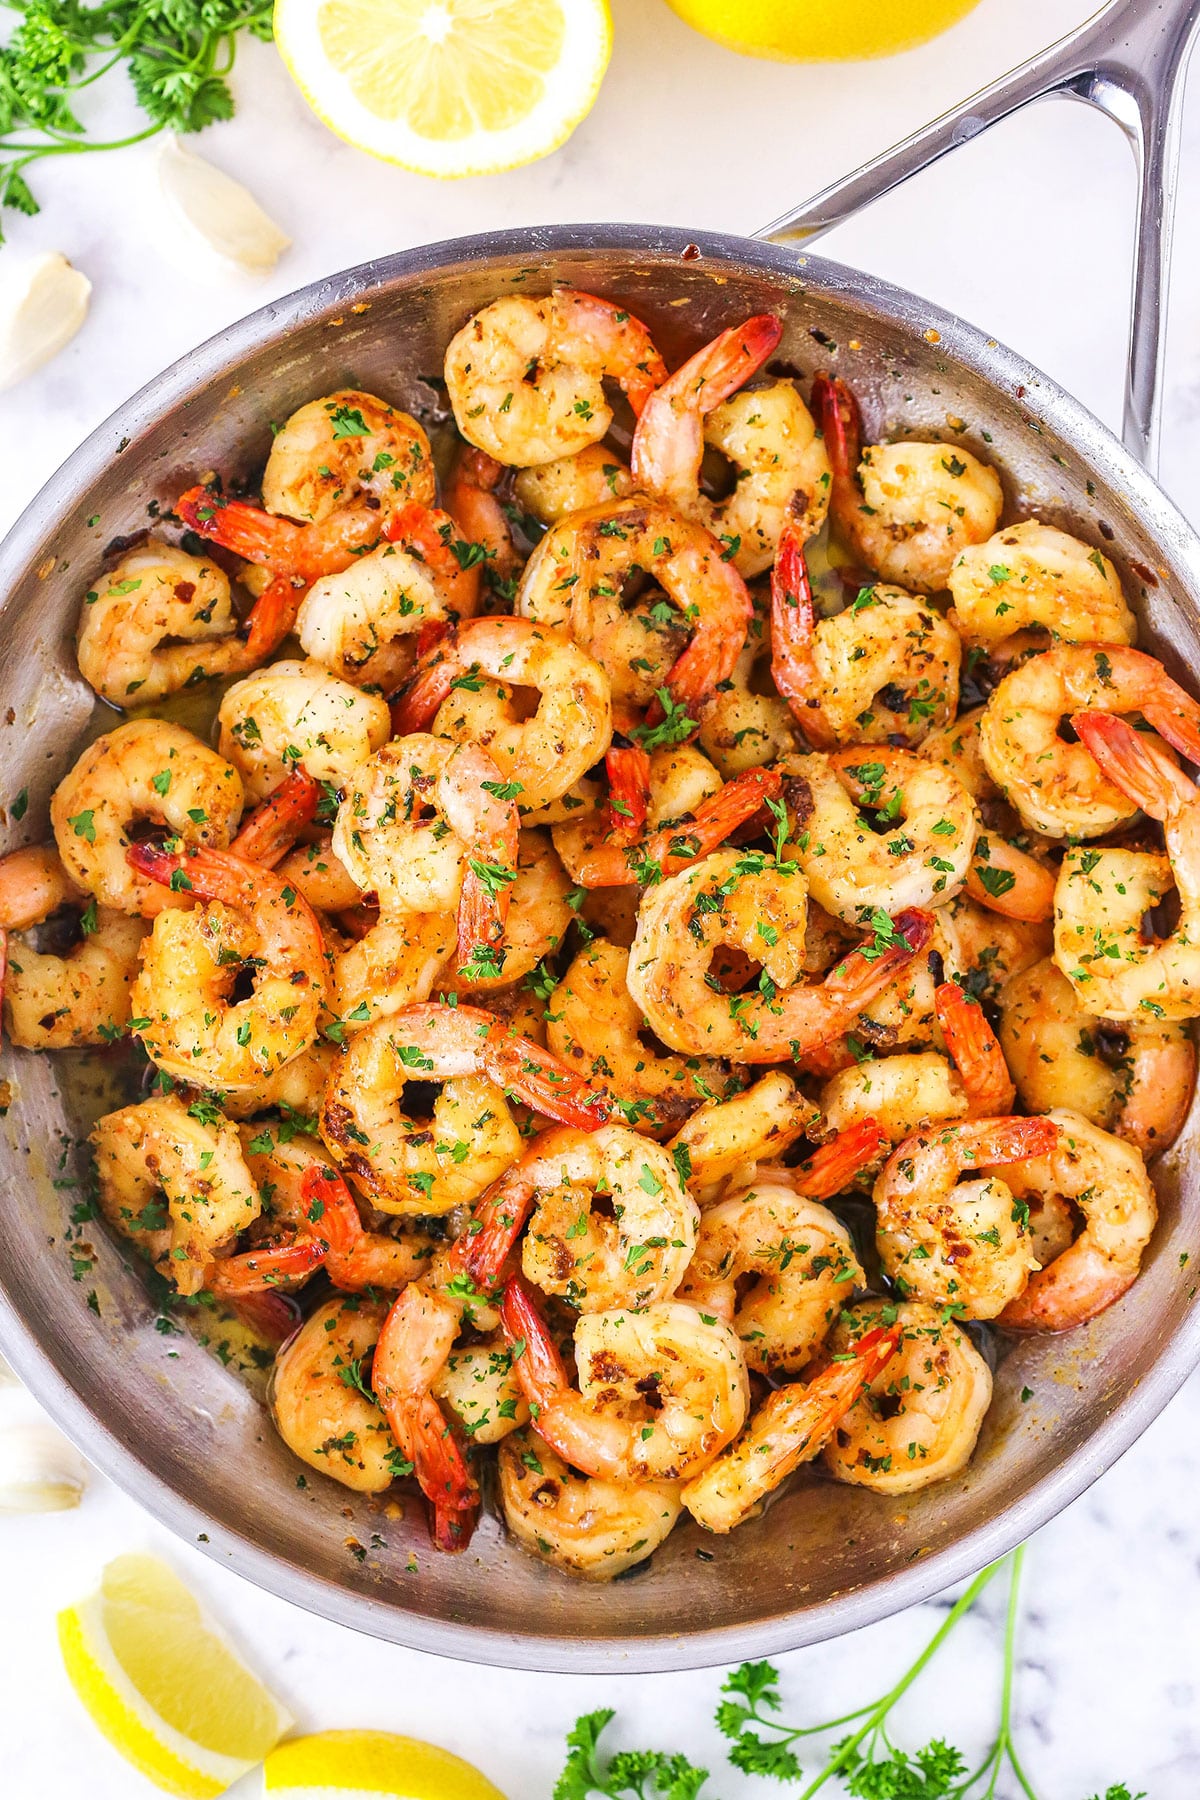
(43, 302)
(39, 1470)
(214, 207)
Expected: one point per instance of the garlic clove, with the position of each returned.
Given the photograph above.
(214, 207)
(43, 302)
(39, 1470)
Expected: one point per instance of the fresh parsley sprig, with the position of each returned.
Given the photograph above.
(177, 54)
(642, 1774)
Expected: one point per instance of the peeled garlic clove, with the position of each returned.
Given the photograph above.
(39, 1470)
(212, 206)
(42, 305)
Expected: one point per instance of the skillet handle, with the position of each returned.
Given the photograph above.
(1128, 60)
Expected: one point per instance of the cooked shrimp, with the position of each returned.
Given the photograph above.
(288, 552)
(159, 621)
(33, 884)
(297, 715)
(593, 1025)
(268, 833)
(295, 1090)
(632, 1254)
(592, 477)
(428, 826)
(668, 442)
(320, 876)
(320, 1397)
(471, 501)
(406, 1167)
(746, 904)
(1056, 786)
(661, 1392)
(144, 773)
(959, 1243)
(1107, 1181)
(906, 509)
(398, 962)
(743, 723)
(1134, 1079)
(901, 1093)
(79, 996)
(885, 668)
(594, 858)
(341, 447)
(981, 950)
(541, 909)
(800, 1259)
(306, 1197)
(580, 566)
(956, 747)
(414, 1345)
(791, 1427)
(253, 925)
(1103, 896)
(580, 1523)
(976, 1050)
(472, 691)
(725, 1136)
(1032, 575)
(525, 376)
(919, 1420)
(177, 1186)
(480, 1387)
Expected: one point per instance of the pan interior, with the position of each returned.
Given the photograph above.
(159, 1411)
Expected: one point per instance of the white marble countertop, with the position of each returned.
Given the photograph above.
(1027, 232)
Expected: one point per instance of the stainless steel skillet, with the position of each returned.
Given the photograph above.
(160, 1414)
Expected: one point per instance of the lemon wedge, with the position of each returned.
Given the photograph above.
(448, 87)
(342, 1765)
(163, 1685)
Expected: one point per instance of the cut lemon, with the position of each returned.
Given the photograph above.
(341, 1765)
(163, 1685)
(448, 87)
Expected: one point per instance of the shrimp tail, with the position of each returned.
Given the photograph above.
(793, 629)
(1009, 881)
(271, 1316)
(420, 1428)
(1139, 768)
(836, 412)
(271, 618)
(416, 707)
(828, 1170)
(536, 1363)
(628, 769)
(330, 1210)
(976, 1052)
(280, 545)
(496, 1224)
(538, 1078)
(256, 1269)
(272, 828)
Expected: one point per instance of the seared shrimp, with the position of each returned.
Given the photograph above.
(307, 1198)
(661, 1392)
(1107, 1181)
(725, 1136)
(397, 962)
(253, 925)
(161, 620)
(791, 1427)
(320, 1397)
(146, 773)
(1056, 786)
(341, 447)
(479, 1385)
(1033, 576)
(906, 509)
(959, 1243)
(81, 996)
(1134, 1079)
(298, 715)
(746, 904)
(918, 1421)
(632, 1254)
(591, 477)
(582, 1523)
(577, 572)
(883, 669)
(177, 1186)
(525, 376)
(471, 690)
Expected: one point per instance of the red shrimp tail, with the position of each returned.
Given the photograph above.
(828, 1170)
(257, 1269)
(272, 618)
(496, 1223)
(416, 708)
(272, 828)
(836, 412)
(330, 1210)
(1014, 1139)
(270, 1315)
(249, 531)
(793, 629)
(537, 1077)
(536, 1363)
(756, 339)
(975, 1050)
(717, 818)
(628, 770)
(440, 1468)
(1139, 768)
(451, 1528)
(209, 874)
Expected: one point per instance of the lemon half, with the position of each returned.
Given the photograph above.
(448, 87)
(820, 30)
(344, 1765)
(163, 1685)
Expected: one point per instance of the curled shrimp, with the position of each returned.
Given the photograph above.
(578, 570)
(346, 445)
(1056, 786)
(253, 924)
(320, 1398)
(661, 1391)
(581, 1523)
(792, 1426)
(723, 1137)
(1034, 576)
(1106, 1181)
(298, 716)
(525, 376)
(964, 1244)
(591, 477)
(883, 669)
(313, 1202)
(469, 692)
(906, 509)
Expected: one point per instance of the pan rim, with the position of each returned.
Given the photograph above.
(1099, 449)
